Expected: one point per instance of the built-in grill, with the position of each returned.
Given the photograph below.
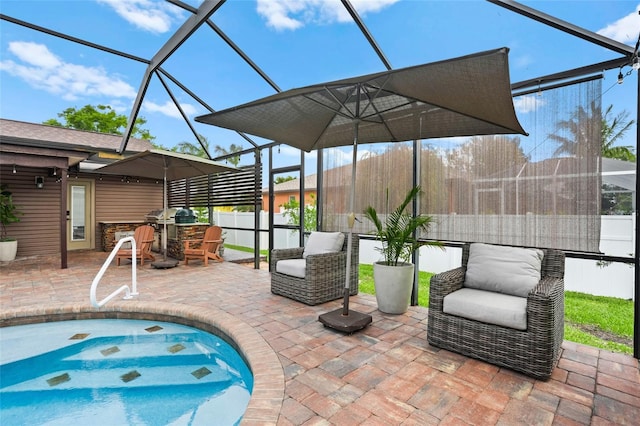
(185, 215)
(161, 216)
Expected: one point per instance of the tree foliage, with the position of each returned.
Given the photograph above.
(235, 160)
(101, 119)
(485, 156)
(583, 125)
(292, 213)
(613, 129)
(195, 149)
(283, 179)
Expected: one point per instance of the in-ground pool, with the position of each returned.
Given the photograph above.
(119, 372)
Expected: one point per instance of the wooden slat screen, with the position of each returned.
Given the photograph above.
(233, 189)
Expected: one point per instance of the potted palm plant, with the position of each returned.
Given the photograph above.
(393, 276)
(8, 214)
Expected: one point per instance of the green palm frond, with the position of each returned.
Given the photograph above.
(397, 233)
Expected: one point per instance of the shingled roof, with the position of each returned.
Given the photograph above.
(41, 135)
(294, 185)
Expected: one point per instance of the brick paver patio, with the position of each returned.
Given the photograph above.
(304, 373)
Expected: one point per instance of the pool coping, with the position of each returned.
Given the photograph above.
(268, 375)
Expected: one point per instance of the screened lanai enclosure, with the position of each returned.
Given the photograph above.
(544, 189)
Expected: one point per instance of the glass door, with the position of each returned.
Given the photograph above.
(80, 217)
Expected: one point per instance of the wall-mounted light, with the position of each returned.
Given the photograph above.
(39, 182)
(14, 169)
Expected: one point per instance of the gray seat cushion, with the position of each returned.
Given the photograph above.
(487, 306)
(292, 267)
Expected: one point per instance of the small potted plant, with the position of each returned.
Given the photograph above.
(393, 276)
(8, 214)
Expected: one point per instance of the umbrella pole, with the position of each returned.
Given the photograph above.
(165, 263)
(164, 213)
(351, 221)
(343, 319)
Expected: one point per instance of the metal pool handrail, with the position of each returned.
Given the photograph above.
(129, 293)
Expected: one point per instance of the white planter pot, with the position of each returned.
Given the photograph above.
(393, 286)
(8, 250)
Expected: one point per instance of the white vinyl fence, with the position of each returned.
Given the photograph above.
(586, 276)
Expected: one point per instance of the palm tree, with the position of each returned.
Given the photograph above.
(613, 130)
(199, 150)
(235, 160)
(583, 125)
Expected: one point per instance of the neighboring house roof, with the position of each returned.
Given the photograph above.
(619, 173)
(614, 172)
(44, 136)
(294, 185)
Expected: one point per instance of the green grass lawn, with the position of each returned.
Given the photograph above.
(602, 322)
(245, 249)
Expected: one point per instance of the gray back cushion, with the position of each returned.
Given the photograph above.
(508, 270)
(323, 242)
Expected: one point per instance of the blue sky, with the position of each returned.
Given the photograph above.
(296, 43)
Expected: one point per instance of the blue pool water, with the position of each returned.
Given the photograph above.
(119, 372)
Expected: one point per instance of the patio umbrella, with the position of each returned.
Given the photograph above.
(168, 166)
(465, 96)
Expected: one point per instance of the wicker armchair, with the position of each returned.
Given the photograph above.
(533, 351)
(324, 274)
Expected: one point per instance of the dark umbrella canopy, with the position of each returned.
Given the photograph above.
(168, 166)
(158, 164)
(465, 96)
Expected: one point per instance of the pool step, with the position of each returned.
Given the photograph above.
(125, 378)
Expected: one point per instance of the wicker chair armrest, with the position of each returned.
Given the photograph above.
(548, 287)
(282, 254)
(545, 310)
(546, 295)
(336, 258)
(320, 266)
(443, 284)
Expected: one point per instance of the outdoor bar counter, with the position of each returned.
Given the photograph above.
(177, 233)
(108, 230)
(180, 232)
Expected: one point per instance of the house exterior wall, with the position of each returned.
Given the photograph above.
(38, 231)
(118, 201)
(283, 198)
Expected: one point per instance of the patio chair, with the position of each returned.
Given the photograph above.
(504, 305)
(206, 248)
(316, 273)
(144, 239)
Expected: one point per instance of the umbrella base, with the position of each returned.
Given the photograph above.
(349, 323)
(165, 264)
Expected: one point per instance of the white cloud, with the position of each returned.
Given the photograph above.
(528, 103)
(523, 61)
(625, 29)
(153, 16)
(42, 69)
(293, 14)
(169, 108)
